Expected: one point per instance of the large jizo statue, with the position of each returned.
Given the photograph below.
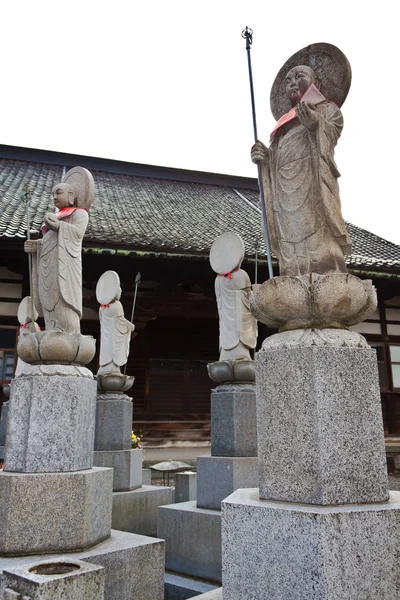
(306, 227)
(57, 266)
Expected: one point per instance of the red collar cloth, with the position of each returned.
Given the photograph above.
(62, 213)
(229, 275)
(312, 94)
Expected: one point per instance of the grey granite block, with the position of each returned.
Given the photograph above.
(134, 566)
(3, 422)
(233, 423)
(136, 511)
(64, 578)
(127, 465)
(192, 540)
(285, 551)
(177, 587)
(213, 595)
(185, 487)
(50, 424)
(218, 477)
(320, 430)
(146, 476)
(54, 512)
(113, 422)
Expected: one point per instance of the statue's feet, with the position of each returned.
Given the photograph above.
(227, 371)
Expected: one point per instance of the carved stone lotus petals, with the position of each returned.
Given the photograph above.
(335, 300)
(56, 347)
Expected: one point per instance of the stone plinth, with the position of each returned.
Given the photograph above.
(127, 465)
(134, 566)
(233, 422)
(113, 422)
(185, 487)
(320, 430)
(3, 422)
(177, 587)
(192, 540)
(219, 476)
(285, 551)
(136, 511)
(54, 512)
(50, 424)
(64, 578)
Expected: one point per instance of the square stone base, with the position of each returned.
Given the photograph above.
(134, 566)
(185, 487)
(136, 511)
(233, 423)
(219, 476)
(127, 465)
(54, 512)
(192, 540)
(285, 551)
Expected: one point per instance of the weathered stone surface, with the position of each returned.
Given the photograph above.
(146, 476)
(136, 511)
(3, 422)
(218, 477)
(57, 347)
(192, 540)
(303, 552)
(213, 595)
(233, 424)
(320, 431)
(85, 581)
(185, 487)
(181, 588)
(113, 422)
(127, 465)
(50, 424)
(126, 558)
(54, 512)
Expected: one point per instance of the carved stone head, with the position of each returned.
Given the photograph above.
(298, 80)
(63, 195)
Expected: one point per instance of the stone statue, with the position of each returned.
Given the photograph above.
(57, 270)
(314, 300)
(115, 330)
(237, 326)
(306, 228)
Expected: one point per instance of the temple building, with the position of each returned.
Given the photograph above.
(161, 222)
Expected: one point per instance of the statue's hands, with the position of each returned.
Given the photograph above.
(52, 222)
(30, 246)
(259, 153)
(307, 114)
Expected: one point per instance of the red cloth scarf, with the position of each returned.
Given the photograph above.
(312, 94)
(62, 213)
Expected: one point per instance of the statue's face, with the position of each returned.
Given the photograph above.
(63, 195)
(298, 80)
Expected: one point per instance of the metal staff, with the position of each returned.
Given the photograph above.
(26, 196)
(137, 281)
(247, 34)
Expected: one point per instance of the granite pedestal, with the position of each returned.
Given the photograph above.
(136, 511)
(193, 540)
(54, 512)
(185, 487)
(113, 422)
(286, 551)
(133, 564)
(234, 422)
(127, 465)
(50, 426)
(320, 431)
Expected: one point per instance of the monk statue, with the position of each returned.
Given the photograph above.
(237, 326)
(116, 331)
(57, 265)
(299, 175)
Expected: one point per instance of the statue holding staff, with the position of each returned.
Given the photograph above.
(299, 175)
(57, 264)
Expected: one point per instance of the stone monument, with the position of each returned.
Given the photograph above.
(52, 499)
(192, 530)
(134, 505)
(321, 524)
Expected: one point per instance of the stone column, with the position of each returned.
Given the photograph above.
(322, 524)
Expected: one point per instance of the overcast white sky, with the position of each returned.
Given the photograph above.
(165, 82)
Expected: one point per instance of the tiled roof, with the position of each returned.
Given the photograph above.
(161, 215)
